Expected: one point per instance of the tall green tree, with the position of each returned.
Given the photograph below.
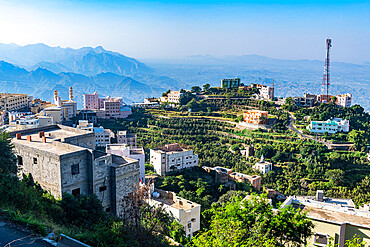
(7, 158)
(206, 87)
(251, 222)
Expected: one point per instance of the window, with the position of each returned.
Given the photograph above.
(321, 239)
(75, 169)
(76, 192)
(193, 219)
(34, 160)
(103, 188)
(20, 160)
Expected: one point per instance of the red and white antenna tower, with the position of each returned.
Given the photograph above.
(326, 77)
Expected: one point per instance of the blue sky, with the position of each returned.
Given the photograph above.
(175, 29)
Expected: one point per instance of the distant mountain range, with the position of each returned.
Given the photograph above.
(39, 69)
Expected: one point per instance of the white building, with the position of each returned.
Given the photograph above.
(344, 100)
(331, 126)
(28, 122)
(174, 97)
(85, 125)
(136, 153)
(267, 92)
(263, 166)
(187, 213)
(172, 157)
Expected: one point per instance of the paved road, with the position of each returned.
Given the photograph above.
(11, 237)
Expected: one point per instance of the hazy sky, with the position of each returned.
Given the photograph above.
(174, 29)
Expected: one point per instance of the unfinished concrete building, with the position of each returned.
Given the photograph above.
(63, 160)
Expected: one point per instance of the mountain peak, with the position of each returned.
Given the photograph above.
(99, 49)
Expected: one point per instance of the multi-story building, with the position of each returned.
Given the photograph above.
(108, 107)
(254, 180)
(331, 126)
(174, 97)
(323, 98)
(171, 157)
(91, 101)
(255, 117)
(102, 136)
(344, 100)
(230, 83)
(263, 166)
(13, 102)
(136, 153)
(187, 213)
(88, 115)
(335, 220)
(63, 160)
(308, 100)
(130, 139)
(265, 92)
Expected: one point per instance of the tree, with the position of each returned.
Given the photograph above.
(335, 176)
(206, 87)
(195, 89)
(358, 139)
(186, 98)
(7, 158)
(251, 222)
(166, 93)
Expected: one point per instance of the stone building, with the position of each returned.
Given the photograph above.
(171, 157)
(187, 213)
(136, 153)
(63, 160)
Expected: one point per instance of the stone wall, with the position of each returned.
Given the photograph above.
(47, 170)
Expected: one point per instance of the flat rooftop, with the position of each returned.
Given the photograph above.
(169, 202)
(54, 135)
(337, 216)
(169, 148)
(332, 209)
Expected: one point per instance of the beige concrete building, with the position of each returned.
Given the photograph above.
(334, 219)
(63, 160)
(130, 139)
(187, 213)
(174, 96)
(13, 102)
(171, 157)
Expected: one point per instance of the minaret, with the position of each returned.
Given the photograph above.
(70, 94)
(55, 97)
